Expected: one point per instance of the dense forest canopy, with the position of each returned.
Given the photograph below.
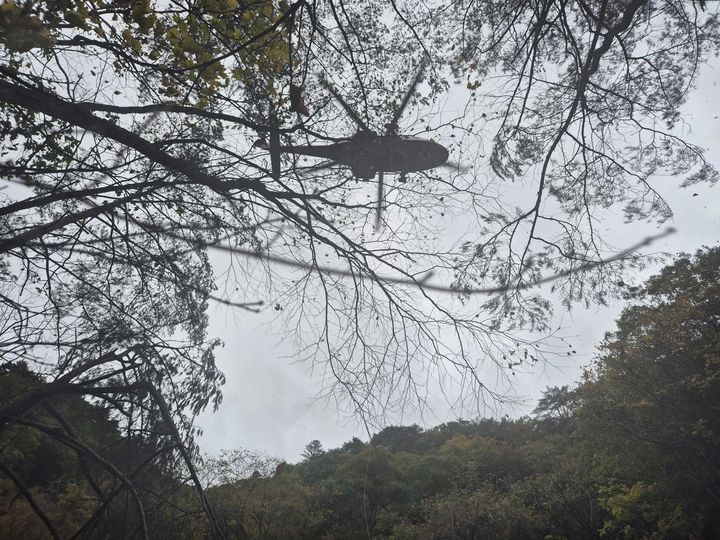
(133, 144)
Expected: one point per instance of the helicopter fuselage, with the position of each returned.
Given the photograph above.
(368, 153)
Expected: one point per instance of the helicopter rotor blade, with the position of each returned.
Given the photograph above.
(378, 208)
(406, 99)
(355, 116)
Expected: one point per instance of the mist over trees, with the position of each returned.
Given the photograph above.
(132, 150)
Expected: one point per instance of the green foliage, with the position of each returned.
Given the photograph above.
(277, 507)
(170, 42)
(21, 31)
(65, 483)
(642, 511)
(557, 404)
(313, 449)
(650, 404)
(398, 438)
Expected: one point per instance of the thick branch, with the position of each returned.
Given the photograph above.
(63, 384)
(167, 416)
(77, 115)
(173, 108)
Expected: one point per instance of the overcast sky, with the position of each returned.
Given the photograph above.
(268, 400)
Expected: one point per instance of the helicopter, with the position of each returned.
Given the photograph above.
(368, 153)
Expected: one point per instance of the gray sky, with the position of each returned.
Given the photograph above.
(268, 400)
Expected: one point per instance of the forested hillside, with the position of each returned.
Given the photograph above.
(630, 452)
